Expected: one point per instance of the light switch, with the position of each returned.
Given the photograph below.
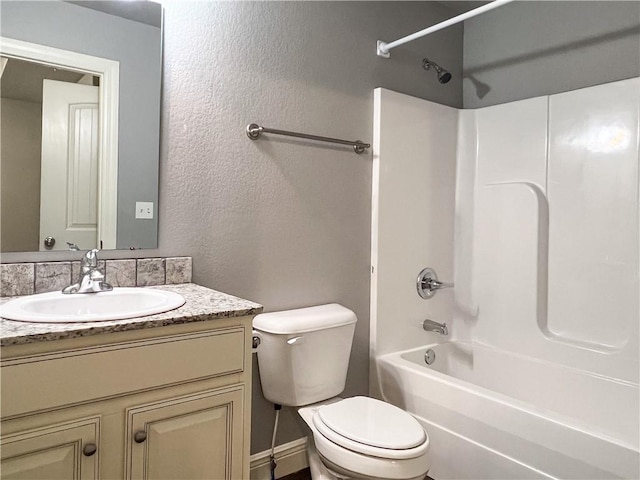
(144, 209)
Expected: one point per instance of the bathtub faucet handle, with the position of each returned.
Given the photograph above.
(437, 284)
(428, 283)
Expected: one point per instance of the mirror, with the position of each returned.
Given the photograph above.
(80, 105)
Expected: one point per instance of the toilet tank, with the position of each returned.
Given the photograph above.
(303, 356)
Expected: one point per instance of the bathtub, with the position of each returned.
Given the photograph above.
(498, 415)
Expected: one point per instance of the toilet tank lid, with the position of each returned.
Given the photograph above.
(303, 320)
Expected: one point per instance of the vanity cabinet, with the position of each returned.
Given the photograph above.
(186, 437)
(56, 452)
(159, 403)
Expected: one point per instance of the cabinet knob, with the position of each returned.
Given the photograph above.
(140, 436)
(89, 449)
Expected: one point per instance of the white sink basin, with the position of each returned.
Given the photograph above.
(118, 304)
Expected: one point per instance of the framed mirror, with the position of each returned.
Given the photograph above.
(80, 104)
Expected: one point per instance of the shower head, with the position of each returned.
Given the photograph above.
(443, 75)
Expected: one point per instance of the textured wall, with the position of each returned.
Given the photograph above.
(20, 166)
(529, 49)
(277, 221)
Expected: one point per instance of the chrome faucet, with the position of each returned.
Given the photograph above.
(91, 278)
(428, 284)
(73, 246)
(431, 326)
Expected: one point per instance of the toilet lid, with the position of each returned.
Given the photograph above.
(371, 422)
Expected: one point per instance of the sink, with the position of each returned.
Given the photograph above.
(118, 304)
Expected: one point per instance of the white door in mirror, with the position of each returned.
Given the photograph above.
(118, 304)
(70, 165)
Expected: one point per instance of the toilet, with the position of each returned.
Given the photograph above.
(303, 358)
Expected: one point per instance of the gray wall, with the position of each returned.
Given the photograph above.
(528, 49)
(282, 222)
(20, 179)
(138, 49)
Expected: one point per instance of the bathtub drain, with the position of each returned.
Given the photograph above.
(429, 357)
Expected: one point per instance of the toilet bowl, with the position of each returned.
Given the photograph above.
(364, 438)
(303, 357)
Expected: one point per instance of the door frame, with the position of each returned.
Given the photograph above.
(109, 73)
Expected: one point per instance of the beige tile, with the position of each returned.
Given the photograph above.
(121, 273)
(150, 271)
(178, 270)
(16, 279)
(52, 276)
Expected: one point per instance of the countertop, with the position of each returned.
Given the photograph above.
(201, 304)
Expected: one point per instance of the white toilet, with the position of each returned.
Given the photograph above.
(303, 359)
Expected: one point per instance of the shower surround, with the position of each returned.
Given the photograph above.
(531, 208)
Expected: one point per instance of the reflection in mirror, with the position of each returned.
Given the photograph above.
(73, 167)
(61, 185)
(22, 87)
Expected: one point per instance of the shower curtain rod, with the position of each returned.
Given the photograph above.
(254, 131)
(383, 48)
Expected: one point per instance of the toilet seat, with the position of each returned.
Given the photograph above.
(359, 458)
(371, 427)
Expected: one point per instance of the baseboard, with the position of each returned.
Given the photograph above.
(291, 457)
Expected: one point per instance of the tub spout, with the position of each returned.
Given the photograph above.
(431, 326)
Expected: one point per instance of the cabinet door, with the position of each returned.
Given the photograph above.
(192, 437)
(66, 451)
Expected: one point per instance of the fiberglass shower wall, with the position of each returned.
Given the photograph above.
(413, 196)
(555, 227)
(541, 238)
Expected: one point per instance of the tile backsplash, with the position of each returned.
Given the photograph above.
(29, 278)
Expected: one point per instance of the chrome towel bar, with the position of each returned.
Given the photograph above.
(254, 131)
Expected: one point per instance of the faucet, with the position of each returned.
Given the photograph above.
(73, 246)
(431, 326)
(91, 278)
(428, 283)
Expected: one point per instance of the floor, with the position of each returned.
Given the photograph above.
(301, 475)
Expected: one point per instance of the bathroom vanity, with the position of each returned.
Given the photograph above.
(161, 396)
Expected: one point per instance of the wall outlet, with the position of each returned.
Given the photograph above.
(144, 209)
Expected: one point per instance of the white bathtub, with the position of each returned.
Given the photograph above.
(498, 415)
